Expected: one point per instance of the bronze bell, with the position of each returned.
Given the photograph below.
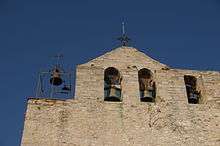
(193, 98)
(147, 95)
(113, 94)
(56, 78)
(66, 88)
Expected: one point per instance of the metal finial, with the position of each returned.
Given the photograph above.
(124, 39)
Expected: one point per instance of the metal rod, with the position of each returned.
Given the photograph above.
(52, 88)
(70, 82)
(123, 28)
(38, 85)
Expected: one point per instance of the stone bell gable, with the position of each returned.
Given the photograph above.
(125, 98)
(129, 61)
(126, 60)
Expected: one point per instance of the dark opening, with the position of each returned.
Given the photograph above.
(112, 85)
(193, 94)
(146, 85)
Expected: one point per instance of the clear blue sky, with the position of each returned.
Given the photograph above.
(180, 33)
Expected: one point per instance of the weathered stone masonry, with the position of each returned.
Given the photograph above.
(87, 119)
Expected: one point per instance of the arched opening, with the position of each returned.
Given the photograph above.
(146, 85)
(193, 94)
(112, 85)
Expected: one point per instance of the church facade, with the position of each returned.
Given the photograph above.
(124, 97)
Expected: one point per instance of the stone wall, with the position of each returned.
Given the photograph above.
(89, 120)
(95, 122)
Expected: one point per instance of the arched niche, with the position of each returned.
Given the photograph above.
(146, 85)
(112, 84)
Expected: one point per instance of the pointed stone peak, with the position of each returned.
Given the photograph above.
(124, 56)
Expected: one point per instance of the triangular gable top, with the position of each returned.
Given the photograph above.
(124, 57)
